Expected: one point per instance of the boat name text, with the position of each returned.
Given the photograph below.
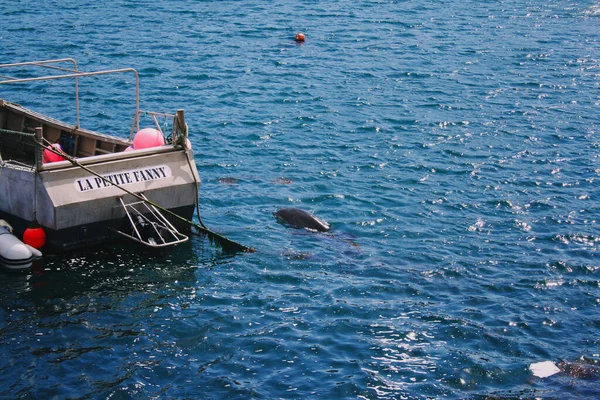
(123, 178)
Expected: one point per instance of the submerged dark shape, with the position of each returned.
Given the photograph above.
(301, 219)
(228, 180)
(283, 181)
(583, 368)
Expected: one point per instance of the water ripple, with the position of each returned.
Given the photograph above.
(453, 148)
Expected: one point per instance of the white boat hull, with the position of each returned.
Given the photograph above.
(77, 194)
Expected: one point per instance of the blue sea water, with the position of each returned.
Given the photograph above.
(454, 146)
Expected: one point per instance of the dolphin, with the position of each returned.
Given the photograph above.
(301, 219)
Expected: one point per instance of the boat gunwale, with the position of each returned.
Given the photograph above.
(88, 160)
(100, 158)
(62, 125)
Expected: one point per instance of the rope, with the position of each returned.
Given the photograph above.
(9, 132)
(197, 190)
(224, 242)
(179, 141)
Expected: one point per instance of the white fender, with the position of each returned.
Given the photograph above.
(35, 252)
(14, 254)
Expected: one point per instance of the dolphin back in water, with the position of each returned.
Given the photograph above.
(301, 219)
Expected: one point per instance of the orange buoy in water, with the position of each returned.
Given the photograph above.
(34, 236)
(300, 37)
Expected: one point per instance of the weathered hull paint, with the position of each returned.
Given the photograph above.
(73, 218)
(92, 234)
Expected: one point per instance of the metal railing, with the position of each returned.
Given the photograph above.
(73, 74)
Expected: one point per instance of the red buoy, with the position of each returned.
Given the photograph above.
(50, 156)
(300, 37)
(35, 236)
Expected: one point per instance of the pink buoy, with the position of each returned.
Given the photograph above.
(148, 137)
(49, 157)
(128, 149)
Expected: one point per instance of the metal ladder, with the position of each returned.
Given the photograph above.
(149, 227)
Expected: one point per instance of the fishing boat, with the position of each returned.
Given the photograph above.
(82, 187)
